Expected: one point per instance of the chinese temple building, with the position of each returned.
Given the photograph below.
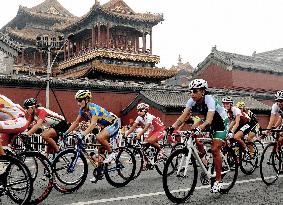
(111, 41)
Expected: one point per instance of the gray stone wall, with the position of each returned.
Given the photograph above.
(6, 63)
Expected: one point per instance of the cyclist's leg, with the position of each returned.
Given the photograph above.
(48, 136)
(238, 137)
(215, 149)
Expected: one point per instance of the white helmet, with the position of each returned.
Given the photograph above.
(198, 83)
(143, 106)
(279, 95)
(227, 99)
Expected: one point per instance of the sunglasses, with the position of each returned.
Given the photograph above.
(140, 110)
(280, 101)
(79, 100)
(194, 90)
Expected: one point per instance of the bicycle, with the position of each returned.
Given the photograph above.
(16, 186)
(71, 168)
(248, 162)
(38, 165)
(147, 156)
(271, 162)
(185, 167)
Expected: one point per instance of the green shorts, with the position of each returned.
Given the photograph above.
(221, 135)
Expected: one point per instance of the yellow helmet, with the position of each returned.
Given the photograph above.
(82, 94)
(241, 104)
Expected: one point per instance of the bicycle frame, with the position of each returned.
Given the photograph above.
(192, 150)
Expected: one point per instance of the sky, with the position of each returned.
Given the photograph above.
(192, 27)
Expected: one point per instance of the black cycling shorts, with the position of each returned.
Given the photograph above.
(61, 127)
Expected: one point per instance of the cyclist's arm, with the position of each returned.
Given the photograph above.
(208, 120)
(143, 130)
(186, 113)
(236, 124)
(74, 125)
(131, 129)
(278, 122)
(271, 121)
(35, 127)
(91, 126)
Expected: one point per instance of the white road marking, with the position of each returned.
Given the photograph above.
(156, 193)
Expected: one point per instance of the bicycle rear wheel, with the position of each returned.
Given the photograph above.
(16, 185)
(271, 163)
(41, 173)
(70, 169)
(249, 161)
(121, 171)
(179, 181)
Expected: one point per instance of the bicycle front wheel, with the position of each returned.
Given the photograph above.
(179, 181)
(121, 171)
(15, 180)
(70, 169)
(270, 163)
(41, 173)
(249, 161)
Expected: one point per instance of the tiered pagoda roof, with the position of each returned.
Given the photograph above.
(265, 62)
(117, 9)
(121, 70)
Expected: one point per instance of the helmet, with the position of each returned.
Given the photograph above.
(198, 83)
(82, 94)
(240, 104)
(227, 99)
(279, 95)
(30, 102)
(143, 106)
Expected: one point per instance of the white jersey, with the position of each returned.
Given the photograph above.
(10, 110)
(276, 109)
(49, 117)
(155, 123)
(233, 113)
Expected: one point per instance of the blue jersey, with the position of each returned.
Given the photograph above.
(105, 118)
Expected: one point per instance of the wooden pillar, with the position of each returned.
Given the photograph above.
(93, 36)
(69, 49)
(98, 38)
(40, 58)
(108, 36)
(23, 57)
(151, 42)
(137, 43)
(35, 61)
(143, 42)
(65, 55)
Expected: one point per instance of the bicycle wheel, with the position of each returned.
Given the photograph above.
(160, 159)
(249, 161)
(41, 173)
(179, 145)
(121, 171)
(139, 161)
(70, 169)
(229, 171)
(179, 182)
(16, 185)
(270, 163)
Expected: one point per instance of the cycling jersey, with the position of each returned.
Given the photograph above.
(220, 119)
(155, 122)
(49, 117)
(12, 116)
(233, 112)
(276, 109)
(105, 118)
(156, 125)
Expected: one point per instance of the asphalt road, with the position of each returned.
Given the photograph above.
(147, 189)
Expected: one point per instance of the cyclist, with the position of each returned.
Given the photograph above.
(42, 116)
(12, 119)
(248, 123)
(215, 117)
(96, 115)
(276, 116)
(149, 122)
